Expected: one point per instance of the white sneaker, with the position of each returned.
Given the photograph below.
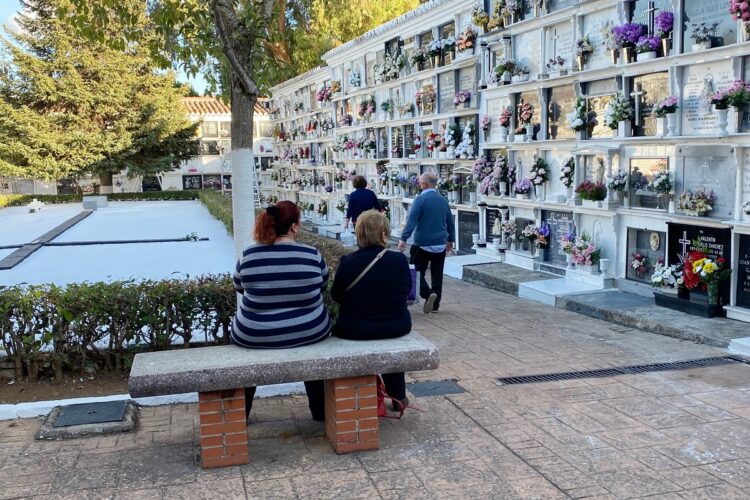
(429, 303)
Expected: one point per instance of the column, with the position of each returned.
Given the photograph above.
(352, 413)
(223, 428)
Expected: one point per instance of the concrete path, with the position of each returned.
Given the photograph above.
(666, 435)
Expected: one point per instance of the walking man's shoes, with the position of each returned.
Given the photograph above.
(429, 304)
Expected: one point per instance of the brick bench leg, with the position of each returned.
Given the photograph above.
(352, 413)
(223, 428)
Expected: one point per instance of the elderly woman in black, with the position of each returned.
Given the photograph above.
(371, 285)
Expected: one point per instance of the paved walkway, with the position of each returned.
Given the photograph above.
(670, 435)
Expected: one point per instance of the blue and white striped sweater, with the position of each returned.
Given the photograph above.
(282, 304)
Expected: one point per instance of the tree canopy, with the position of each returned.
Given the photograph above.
(71, 106)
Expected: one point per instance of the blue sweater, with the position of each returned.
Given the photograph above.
(430, 220)
(361, 200)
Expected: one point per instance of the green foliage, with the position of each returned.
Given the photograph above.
(218, 205)
(47, 329)
(18, 200)
(70, 106)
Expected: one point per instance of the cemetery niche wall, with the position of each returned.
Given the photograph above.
(626, 119)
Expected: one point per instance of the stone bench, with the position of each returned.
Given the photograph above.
(220, 374)
(94, 202)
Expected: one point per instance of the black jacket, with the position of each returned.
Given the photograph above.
(376, 307)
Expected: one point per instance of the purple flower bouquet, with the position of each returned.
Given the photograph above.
(628, 34)
(664, 24)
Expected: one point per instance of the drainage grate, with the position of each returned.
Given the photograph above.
(438, 388)
(623, 370)
(91, 413)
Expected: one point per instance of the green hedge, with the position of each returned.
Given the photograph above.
(49, 329)
(17, 200)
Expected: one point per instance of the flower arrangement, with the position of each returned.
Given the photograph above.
(327, 125)
(608, 38)
(445, 184)
(496, 19)
(591, 191)
(355, 80)
(661, 183)
(329, 189)
(480, 17)
(466, 40)
(406, 109)
(417, 57)
(417, 143)
(435, 48)
(556, 64)
(539, 172)
(449, 44)
(482, 169)
(710, 271)
(512, 8)
(369, 145)
(667, 276)
(387, 106)
(567, 172)
(740, 10)
(584, 251)
(413, 182)
(738, 94)
(461, 97)
(335, 86)
(298, 106)
(537, 234)
(697, 203)
(523, 186)
(648, 44)
(450, 137)
(433, 142)
(485, 122)
(525, 113)
(583, 46)
(666, 106)
(504, 65)
(639, 263)
(567, 242)
(324, 94)
(628, 34)
(703, 32)
(619, 108)
(618, 182)
(580, 119)
(341, 206)
(505, 117)
(346, 120)
(520, 69)
(322, 208)
(467, 140)
(664, 24)
(508, 228)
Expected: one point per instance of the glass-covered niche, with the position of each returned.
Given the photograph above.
(641, 192)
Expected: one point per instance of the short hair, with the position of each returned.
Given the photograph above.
(370, 228)
(360, 182)
(275, 221)
(429, 178)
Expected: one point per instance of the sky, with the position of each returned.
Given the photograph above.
(8, 9)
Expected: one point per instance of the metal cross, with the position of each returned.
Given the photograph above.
(651, 17)
(684, 242)
(554, 44)
(637, 94)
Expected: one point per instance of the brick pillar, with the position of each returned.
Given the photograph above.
(223, 428)
(352, 413)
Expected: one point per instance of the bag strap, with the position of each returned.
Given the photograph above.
(369, 266)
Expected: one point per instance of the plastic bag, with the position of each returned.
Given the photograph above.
(347, 238)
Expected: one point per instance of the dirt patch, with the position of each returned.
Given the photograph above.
(101, 384)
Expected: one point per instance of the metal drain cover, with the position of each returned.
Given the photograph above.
(91, 413)
(437, 388)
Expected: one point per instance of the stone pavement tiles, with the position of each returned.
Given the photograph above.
(673, 435)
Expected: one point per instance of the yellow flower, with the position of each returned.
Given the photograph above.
(709, 267)
(697, 265)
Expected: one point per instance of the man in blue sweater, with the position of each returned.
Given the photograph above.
(431, 221)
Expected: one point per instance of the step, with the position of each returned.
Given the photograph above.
(454, 265)
(740, 346)
(547, 291)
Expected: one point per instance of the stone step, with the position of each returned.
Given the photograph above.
(740, 346)
(547, 291)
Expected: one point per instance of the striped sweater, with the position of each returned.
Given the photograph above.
(282, 304)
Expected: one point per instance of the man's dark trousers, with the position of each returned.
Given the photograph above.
(420, 258)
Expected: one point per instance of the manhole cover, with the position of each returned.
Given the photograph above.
(91, 413)
(438, 388)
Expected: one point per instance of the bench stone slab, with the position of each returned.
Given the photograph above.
(228, 367)
(94, 202)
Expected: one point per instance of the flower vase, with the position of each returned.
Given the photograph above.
(521, 196)
(713, 293)
(503, 134)
(581, 60)
(645, 56)
(614, 54)
(539, 191)
(701, 46)
(435, 154)
(661, 126)
(451, 153)
(442, 155)
(435, 61)
(580, 135)
(624, 129)
(504, 241)
(470, 150)
(503, 188)
(529, 133)
(569, 193)
(666, 46)
(486, 135)
(532, 248)
(662, 201)
(519, 138)
(568, 261)
(723, 121)
(626, 55)
(671, 124)
(473, 198)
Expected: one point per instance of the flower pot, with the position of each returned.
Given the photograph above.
(661, 126)
(470, 150)
(569, 193)
(519, 137)
(435, 154)
(645, 56)
(473, 198)
(506, 77)
(624, 129)
(521, 196)
(662, 201)
(581, 61)
(666, 46)
(700, 46)
(451, 153)
(454, 196)
(529, 133)
(519, 78)
(540, 192)
(614, 133)
(671, 124)
(591, 204)
(503, 188)
(442, 155)
(723, 121)
(586, 269)
(581, 135)
(503, 134)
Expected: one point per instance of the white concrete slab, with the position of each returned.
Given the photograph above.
(454, 265)
(740, 346)
(547, 291)
(19, 226)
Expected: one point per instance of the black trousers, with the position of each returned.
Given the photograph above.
(395, 385)
(421, 258)
(315, 398)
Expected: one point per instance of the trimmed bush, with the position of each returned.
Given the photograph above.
(17, 200)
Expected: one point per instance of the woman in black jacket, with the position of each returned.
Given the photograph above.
(375, 306)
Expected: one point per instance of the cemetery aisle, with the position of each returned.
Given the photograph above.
(674, 434)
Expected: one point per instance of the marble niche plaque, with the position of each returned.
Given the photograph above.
(467, 80)
(700, 81)
(468, 224)
(562, 100)
(493, 222)
(642, 14)
(533, 99)
(494, 109)
(712, 168)
(528, 51)
(598, 93)
(650, 244)
(560, 42)
(560, 224)
(743, 272)
(646, 91)
(709, 12)
(446, 91)
(594, 169)
(593, 24)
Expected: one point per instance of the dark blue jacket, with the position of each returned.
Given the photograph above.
(361, 200)
(431, 220)
(375, 308)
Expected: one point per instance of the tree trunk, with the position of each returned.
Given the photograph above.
(243, 168)
(105, 183)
